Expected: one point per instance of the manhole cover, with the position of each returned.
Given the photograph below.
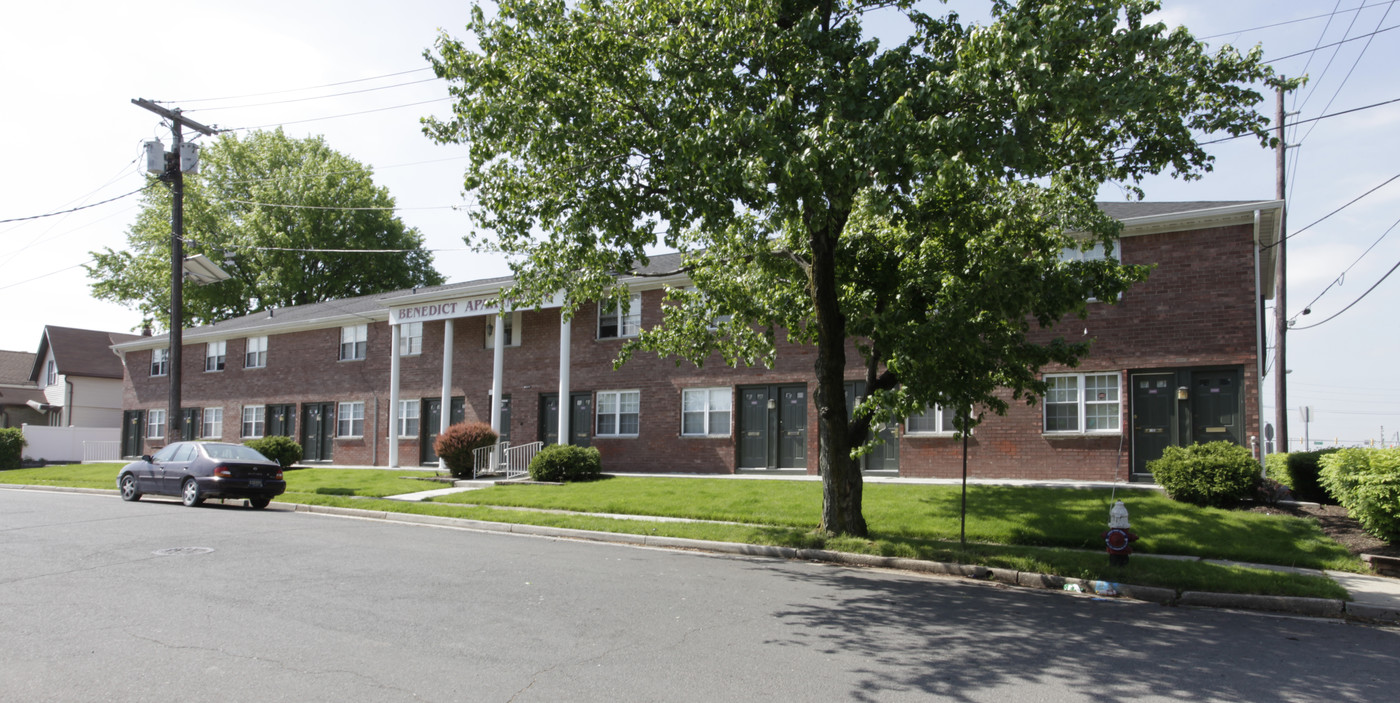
(177, 551)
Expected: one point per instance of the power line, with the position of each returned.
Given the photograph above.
(1342, 275)
(314, 97)
(329, 207)
(76, 209)
(331, 117)
(1310, 119)
(1349, 71)
(1288, 22)
(295, 90)
(1315, 49)
(1324, 217)
(1354, 302)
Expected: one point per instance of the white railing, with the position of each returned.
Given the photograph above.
(501, 458)
(101, 451)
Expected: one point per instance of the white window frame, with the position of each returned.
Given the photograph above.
(941, 419)
(50, 373)
(155, 423)
(212, 426)
(160, 362)
(1077, 395)
(255, 353)
(254, 421)
(350, 419)
(614, 407)
(628, 325)
(354, 342)
(410, 422)
(513, 322)
(215, 356)
(410, 338)
(704, 402)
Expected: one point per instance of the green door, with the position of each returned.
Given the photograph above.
(753, 428)
(133, 424)
(1215, 406)
(432, 421)
(772, 427)
(1154, 426)
(317, 431)
(549, 418)
(792, 427)
(581, 419)
(884, 456)
(281, 420)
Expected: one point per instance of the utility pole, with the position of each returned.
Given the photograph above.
(1281, 289)
(175, 175)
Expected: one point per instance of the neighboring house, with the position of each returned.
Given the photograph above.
(17, 392)
(362, 381)
(79, 377)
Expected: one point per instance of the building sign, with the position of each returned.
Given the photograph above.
(448, 309)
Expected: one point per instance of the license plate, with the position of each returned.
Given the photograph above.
(255, 483)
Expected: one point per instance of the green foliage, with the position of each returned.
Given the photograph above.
(12, 443)
(1276, 468)
(1302, 476)
(456, 445)
(233, 214)
(1367, 483)
(566, 463)
(283, 450)
(914, 196)
(1216, 474)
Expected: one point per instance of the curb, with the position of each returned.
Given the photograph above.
(1309, 607)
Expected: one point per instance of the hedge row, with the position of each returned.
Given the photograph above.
(1367, 483)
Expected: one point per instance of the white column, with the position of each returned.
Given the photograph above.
(498, 367)
(445, 406)
(566, 327)
(393, 396)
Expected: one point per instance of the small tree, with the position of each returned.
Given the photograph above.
(12, 444)
(458, 444)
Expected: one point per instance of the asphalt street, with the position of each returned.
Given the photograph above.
(152, 601)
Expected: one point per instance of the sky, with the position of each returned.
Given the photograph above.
(353, 71)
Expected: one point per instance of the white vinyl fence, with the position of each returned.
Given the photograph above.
(84, 444)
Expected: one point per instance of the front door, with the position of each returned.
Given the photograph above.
(885, 455)
(772, 427)
(133, 423)
(432, 424)
(317, 431)
(281, 420)
(192, 421)
(503, 434)
(581, 419)
(1154, 404)
(549, 418)
(1215, 406)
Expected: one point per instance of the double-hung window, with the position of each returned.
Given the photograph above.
(350, 419)
(255, 354)
(934, 420)
(614, 322)
(214, 356)
(354, 342)
(50, 373)
(213, 423)
(408, 418)
(1083, 403)
(705, 411)
(619, 413)
(254, 421)
(511, 324)
(160, 362)
(155, 423)
(410, 338)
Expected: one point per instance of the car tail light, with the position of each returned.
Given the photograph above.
(223, 472)
(279, 474)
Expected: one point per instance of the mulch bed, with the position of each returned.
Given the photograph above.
(1338, 525)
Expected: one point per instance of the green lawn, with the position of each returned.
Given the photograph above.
(1046, 530)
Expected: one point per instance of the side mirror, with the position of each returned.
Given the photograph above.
(146, 458)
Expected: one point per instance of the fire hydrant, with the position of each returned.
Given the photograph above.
(1119, 539)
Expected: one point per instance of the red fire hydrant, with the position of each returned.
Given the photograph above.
(1119, 539)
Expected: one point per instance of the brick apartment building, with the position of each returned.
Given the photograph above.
(361, 381)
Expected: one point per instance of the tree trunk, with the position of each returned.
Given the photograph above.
(841, 479)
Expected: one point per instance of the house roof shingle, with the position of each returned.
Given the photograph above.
(78, 352)
(15, 367)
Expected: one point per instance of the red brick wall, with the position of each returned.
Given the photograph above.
(1195, 310)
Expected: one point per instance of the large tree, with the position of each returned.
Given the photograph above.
(913, 198)
(272, 211)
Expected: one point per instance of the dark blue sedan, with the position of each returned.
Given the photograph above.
(198, 470)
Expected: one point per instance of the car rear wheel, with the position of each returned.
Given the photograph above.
(190, 493)
(128, 487)
(259, 503)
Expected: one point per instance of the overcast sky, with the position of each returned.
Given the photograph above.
(71, 137)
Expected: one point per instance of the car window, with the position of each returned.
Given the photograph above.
(186, 453)
(233, 451)
(165, 453)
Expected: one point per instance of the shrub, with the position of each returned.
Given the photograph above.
(1303, 468)
(283, 450)
(12, 444)
(1367, 483)
(565, 462)
(1218, 474)
(456, 445)
(1276, 468)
